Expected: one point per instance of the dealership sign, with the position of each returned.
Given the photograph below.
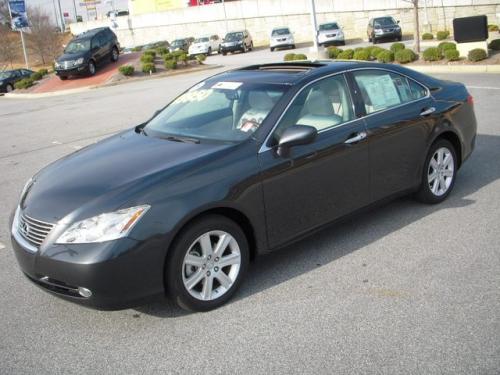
(18, 14)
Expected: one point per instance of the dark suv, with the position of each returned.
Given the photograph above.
(383, 28)
(87, 50)
(237, 41)
(8, 78)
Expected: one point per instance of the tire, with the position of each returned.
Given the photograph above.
(251, 46)
(369, 39)
(114, 54)
(91, 68)
(342, 43)
(244, 48)
(272, 49)
(63, 78)
(436, 190)
(374, 40)
(179, 273)
(9, 88)
(293, 46)
(209, 52)
(224, 53)
(400, 38)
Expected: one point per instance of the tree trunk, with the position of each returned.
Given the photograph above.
(416, 32)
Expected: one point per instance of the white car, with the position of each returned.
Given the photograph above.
(205, 45)
(330, 33)
(281, 37)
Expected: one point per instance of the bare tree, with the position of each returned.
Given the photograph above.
(43, 39)
(9, 45)
(4, 13)
(416, 25)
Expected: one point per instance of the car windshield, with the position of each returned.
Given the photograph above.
(328, 26)
(386, 21)
(278, 32)
(216, 111)
(76, 46)
(5, 75)
(201, 40)
(233, 36)
(177, 43)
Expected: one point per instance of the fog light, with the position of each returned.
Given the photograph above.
(84, 292)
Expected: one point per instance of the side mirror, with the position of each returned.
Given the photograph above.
(398, 22)
(295, 136)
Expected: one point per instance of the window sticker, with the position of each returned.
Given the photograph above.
(197, 86)
(193, 96)
(380, 90)
(227, 85)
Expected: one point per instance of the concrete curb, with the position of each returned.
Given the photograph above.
(13, 95)
(442, 69)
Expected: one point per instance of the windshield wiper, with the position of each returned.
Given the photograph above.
(177, 138)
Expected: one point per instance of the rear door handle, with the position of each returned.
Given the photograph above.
(355, 138)
(427, 111)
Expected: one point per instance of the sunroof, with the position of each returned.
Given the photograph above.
(286, 67)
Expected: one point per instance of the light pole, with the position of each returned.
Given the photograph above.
(63, 26)
(314, 25)
(74, 7)
(225, 15)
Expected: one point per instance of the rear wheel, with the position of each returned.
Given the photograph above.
(438, 176)
(114, 54)
(9, 88)
(293, 46)
(209, 52)
(224, 53)
(207, 263)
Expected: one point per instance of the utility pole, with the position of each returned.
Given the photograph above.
(63, 26)
(56, 17)
(225, 15)
(314, 25)
(24, 50)
(74, 7)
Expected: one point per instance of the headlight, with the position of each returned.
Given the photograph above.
(79, 61)
(104, 227)
(57, 64)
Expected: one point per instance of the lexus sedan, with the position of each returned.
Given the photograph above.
(242, 163)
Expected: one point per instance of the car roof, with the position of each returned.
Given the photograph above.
(301, 72)
(90, 33)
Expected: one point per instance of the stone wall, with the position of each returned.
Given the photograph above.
(260, 16)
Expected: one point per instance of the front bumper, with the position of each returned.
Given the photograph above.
(232, 48)
(282, 43)
(324, 39)
(77, 70)
(388, 34)
(119, 274)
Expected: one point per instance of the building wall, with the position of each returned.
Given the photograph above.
(260, 16)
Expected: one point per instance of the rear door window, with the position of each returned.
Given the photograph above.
(382, 89)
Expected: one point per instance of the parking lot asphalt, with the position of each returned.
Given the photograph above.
(406, 288)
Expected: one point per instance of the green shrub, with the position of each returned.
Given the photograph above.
(492, 28)
(182, 57)
(43, 72)
(358, 49)
(200, 58)
(385, 56)
(333, 52)
(361, 54)
(374, 51)
(347, 54)
(451, 54)
(300, 56)
(161, 51)
(150, 52)
(442, 35)
(36, 76)
(178, 53)
(395, 47)
(147, 59)
(148, 67)
(170, 64)
(494, 45)
(168, 56)
(477, 54)
(289, 57)
(126, 70)
(24, 83)
(427, 36)
(432, 54)
(405, 56)
(444, 46)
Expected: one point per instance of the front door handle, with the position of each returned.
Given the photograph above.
(356, 137)
(427, 111)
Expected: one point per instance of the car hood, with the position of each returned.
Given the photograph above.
(107, 174)
(71, 56)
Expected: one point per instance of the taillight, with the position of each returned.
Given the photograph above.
(470, 99)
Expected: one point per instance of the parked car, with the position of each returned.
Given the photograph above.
(383, 28)
(8, 78)
(237, 41)
(181, 44)
(86, 52)
(205, 45)
(330, 33)
(281, 37)
(242, 163)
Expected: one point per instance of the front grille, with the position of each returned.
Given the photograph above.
(32, 230)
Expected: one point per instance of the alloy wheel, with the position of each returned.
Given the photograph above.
(91, 68)
(441, 171)
(9, 88)
(211, 265)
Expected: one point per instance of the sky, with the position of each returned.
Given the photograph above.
(51, 7)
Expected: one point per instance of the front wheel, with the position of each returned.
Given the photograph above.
(91, 68)
(114, 54)
(207, 263)
(209, 52)
(9, 88)
(438, 176)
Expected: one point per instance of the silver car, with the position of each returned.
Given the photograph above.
(330, 33)
(281, 37)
